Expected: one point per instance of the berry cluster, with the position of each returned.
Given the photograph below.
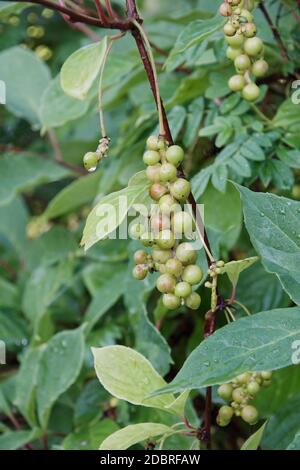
(166, 227)
(91, 159)
(245, 49)
(239, 392)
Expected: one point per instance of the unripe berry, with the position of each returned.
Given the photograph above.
(186, 254)
(193, 301)
(175, 155)
(242, 62)
(174, 266)
(192, 274)
(159, 222)
(167, 172)
(90, 161)
(235, 41)
(225, 9)
(161, 268)
(182, 223)
(225, 391)
(140, 257)
(243, 378)
(260, 68)
(161, 256)
(167, 204)
(246, 14)
(180, 189)
(183, 289)
(151, 157)
(171, 301)
(234, 2)
(165, 239)
(166, 283)
(136, 231)
(226, 413)
(236, 82)
(140, 272)
(157, 191)
(253, 46)
(229, 30)
(249, 30)
(249, 414)
(250, 92)
(232, 53)
(253, 388)
(152, 173)
(152, 142)
(147, 239)
(266, 374)
(238, 395)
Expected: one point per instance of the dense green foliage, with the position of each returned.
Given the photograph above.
(89, 349)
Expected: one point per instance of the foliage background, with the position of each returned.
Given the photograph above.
(49, 396)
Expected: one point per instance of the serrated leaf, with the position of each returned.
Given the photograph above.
(259, 342)
(133, 434)
(252, 443)
(59, 367)
(128, 375)
(233, 269)
(273, 224)
(82, 68)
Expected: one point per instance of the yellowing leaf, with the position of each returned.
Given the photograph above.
(127, 437)
(233, 269)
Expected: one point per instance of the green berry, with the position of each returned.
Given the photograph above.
(140, 257)
(225, 391)
(183, 289)
(140, 272)
(160, 267)
(242, 63)
(250, 92)
(167, 204)
(152, 173)
(174, 266)
(147, 239)
(193, 301)
(253, 46)
(226, 413)
(171, 301)
(167, 173)
(152, 143)
(157, 190)
(192, 274)
(186, 254)
(166, 283)
(165, 239)
(159, 222)
(249, 414)
(90, 161)
(236, 82)
(180, 189)
(235, 41)
(238, 395)
(253, 388)
(136, 231)
(151, 157)
(246, 14)
(265, 374)
(182, 223)
(232, 53)
(229, 30)
(243, 378)
(175, 155)
(260, 68)
(161, 256)
(249, 30)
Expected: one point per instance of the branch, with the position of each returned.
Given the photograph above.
(274, 30)
(58, 155)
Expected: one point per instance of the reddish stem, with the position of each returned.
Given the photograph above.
(100, 12)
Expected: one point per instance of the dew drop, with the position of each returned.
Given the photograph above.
(146, 380)
(282, 211)
(64, 343)
(207, 363)
(90, 170)
(262, 214)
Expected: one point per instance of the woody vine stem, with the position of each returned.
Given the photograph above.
(134, 23)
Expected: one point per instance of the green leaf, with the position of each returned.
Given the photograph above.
(233, 269)
(195, 33)
(15, 439)
(89, 437)
(252, 443)
(20, 172)
(8, 294)
(273, 224)
(89, 404)
(76, 194)
(287, 116)
(26, 77)
(128, 375)
(133, 434)
(60, 365)
(295, 444)
(57, 108)
(259, 342)
(81, 69)
(283, 426)
(14, 228)
(109, 213)
(13, 331)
